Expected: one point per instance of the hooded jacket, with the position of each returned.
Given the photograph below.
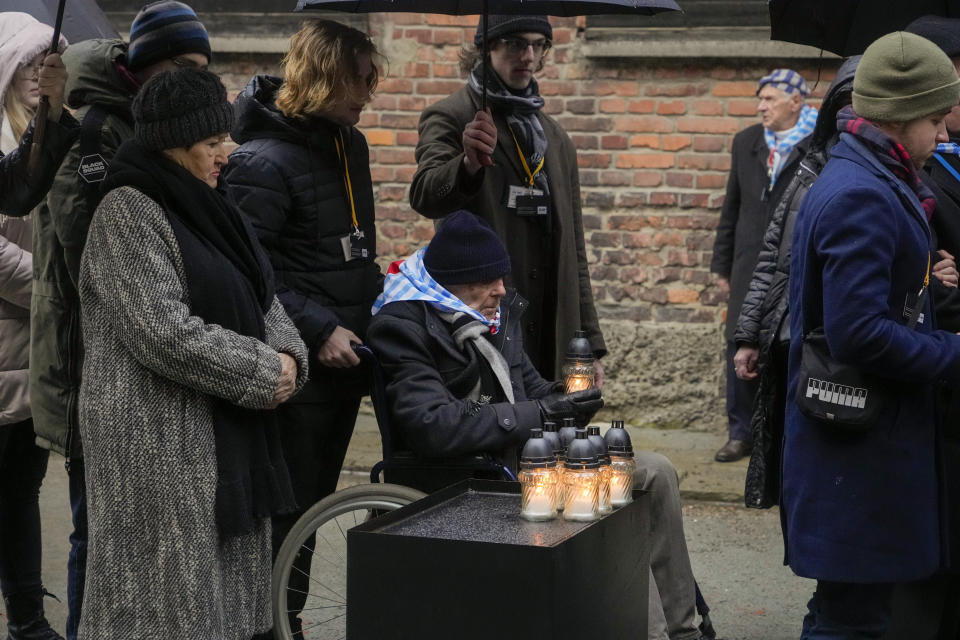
(60, 232)
(287, 178)
(22, 38)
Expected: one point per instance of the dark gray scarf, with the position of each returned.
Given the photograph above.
(520, 109)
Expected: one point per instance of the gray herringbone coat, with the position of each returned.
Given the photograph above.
(156, 567)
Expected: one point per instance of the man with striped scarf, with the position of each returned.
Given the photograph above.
(765, 157)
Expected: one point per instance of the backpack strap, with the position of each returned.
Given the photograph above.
(93, 166)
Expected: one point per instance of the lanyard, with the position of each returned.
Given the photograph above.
(342, 154)
(523, 160)
(947, 166)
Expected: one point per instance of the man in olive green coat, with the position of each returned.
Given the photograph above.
(515, 167)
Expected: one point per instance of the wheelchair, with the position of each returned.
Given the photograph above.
(321, 533)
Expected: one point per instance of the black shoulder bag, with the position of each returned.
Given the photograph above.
(840, 394)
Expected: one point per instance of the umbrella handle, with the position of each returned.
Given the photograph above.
(483, 70)
(40, 119)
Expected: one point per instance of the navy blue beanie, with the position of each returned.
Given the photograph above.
(465, 250)
(163, 30)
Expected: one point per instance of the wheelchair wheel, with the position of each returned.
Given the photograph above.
(318, 543)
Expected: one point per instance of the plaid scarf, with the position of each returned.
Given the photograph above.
(409, 280)
(520, 110)
(891, 154)
(780, 150)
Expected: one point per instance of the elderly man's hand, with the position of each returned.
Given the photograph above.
(745, 361)
(579, 405)
(479, 141)
(52, 82)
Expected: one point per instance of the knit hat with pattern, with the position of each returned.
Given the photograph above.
(163, 30)
(180, 108)
(500, 25)
(902, 77)
(465, 250)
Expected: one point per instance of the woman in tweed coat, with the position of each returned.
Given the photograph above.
(186, 347)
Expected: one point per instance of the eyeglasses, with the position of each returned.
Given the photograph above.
(518, 46)
(187, 63)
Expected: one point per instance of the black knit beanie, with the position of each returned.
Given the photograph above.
(465, 250)
(500, 25)
(180, 108)
(943, 32)
(163, 30)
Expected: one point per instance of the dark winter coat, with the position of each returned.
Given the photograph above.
(428, 381)
(946, 223)
(287, 178)
(865, 507)
(764, 317)
(746, 213)
(21, 191)
(60, 232)
(553, 276)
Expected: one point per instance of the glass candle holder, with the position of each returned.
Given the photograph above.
(538, 498)
(582, 494)
(621, 480)
(538, 478)
(578, 369)
(581, 480)
(622, 464)
(600, 448)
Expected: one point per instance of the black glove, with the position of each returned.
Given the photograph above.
(579, 405)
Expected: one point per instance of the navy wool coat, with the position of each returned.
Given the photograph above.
(865, 507)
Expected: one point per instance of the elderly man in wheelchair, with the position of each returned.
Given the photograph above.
(463, 395)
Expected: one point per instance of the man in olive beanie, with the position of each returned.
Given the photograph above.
(861, 507)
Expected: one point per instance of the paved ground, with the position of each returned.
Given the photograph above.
(736, 552)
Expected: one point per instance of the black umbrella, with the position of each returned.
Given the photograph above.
(82, 19)
(485, 7)
(847, 27)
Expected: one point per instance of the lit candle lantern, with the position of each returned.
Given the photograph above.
(567, 434)
(578, 369)
(600, 448)
(622, 464)
(551, 435)
(538, 479)
(581, 479)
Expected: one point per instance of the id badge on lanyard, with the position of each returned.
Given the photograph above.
(527, 200)
(355, 245)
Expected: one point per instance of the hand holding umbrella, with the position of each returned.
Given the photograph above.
(40, 125)
(52, 83)
(479, 141)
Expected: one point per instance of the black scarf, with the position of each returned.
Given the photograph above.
(230, 282)
(520, 110)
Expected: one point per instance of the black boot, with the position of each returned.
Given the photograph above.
(25, 619)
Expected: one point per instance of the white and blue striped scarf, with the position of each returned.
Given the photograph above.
(412, 282)
(780, 150)
(949, 147)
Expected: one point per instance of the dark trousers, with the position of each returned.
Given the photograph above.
(846, 611)
(927, 609)
(22, 467)
(77, 560)
(314, 437)
(740, 394)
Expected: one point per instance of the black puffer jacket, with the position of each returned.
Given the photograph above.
(287, 178)
(765, 313)
(20, 191)
(428, 378)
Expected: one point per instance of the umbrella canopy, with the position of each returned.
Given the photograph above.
(847, 27)
(471, 7)
(82, 19)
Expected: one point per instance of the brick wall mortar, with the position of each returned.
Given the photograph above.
(653, 140)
